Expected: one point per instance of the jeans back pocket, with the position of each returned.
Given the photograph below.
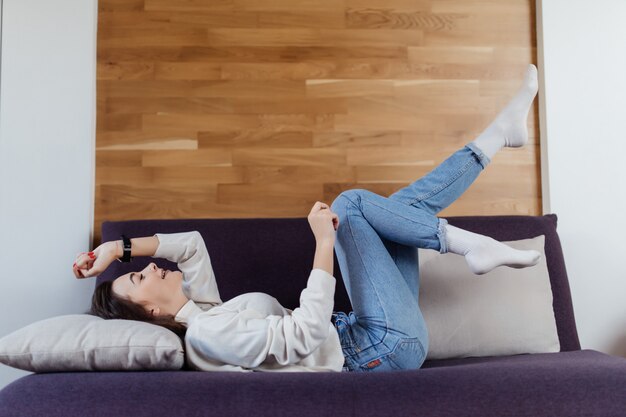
(409, 354)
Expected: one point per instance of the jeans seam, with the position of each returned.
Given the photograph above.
(422, 348)
(441, 187)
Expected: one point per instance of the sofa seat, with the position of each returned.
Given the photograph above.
(577, 383)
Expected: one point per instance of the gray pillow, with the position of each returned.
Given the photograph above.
(506, 311)
(82, 342)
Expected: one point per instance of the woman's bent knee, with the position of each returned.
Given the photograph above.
(351, 196)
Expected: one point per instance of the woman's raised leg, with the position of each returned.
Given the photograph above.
(449, 180)
(376, 245)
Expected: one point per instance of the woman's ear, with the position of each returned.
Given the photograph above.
(155, 311)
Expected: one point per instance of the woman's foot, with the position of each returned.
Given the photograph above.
(509, 127)
(491, 254)
(512, 119)
(483, 253)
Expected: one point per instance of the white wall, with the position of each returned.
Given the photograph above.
(47, 138)
(583, 53)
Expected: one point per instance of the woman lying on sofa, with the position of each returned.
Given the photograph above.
(374, 238)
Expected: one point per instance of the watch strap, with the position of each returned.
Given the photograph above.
(127, 247)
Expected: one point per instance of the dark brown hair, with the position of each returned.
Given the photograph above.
(108, 305)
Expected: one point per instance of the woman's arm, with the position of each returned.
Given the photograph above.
(324, 255)
(323, 223)
(140, 246)
(147, 246)
(189, 252)
(89, 264)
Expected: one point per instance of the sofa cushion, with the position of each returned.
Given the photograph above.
(506, 311)
(82, 342)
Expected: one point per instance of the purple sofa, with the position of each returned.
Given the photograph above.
(275, 256)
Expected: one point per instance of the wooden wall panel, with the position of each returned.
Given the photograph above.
(248, 108)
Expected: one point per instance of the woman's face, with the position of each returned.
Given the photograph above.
(153, 290)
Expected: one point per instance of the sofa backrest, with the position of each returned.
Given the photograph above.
(275, 256)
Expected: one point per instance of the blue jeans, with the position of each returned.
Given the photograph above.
(376, 246)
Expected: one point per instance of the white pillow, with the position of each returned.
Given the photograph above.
(82, 342)
(506, 311)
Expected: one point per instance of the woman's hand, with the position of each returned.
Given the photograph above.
(323, 222)
(89, 264)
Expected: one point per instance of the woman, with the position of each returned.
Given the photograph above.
(374, 238)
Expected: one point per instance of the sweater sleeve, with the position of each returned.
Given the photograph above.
(247, 338)
(189, 252)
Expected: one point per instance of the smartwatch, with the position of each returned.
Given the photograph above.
(126, 257)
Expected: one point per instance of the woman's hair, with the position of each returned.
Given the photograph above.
(108, 305)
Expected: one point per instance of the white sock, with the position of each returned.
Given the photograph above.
(509, 127)
(483, 253)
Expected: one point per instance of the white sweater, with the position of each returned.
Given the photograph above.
(251, 332)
